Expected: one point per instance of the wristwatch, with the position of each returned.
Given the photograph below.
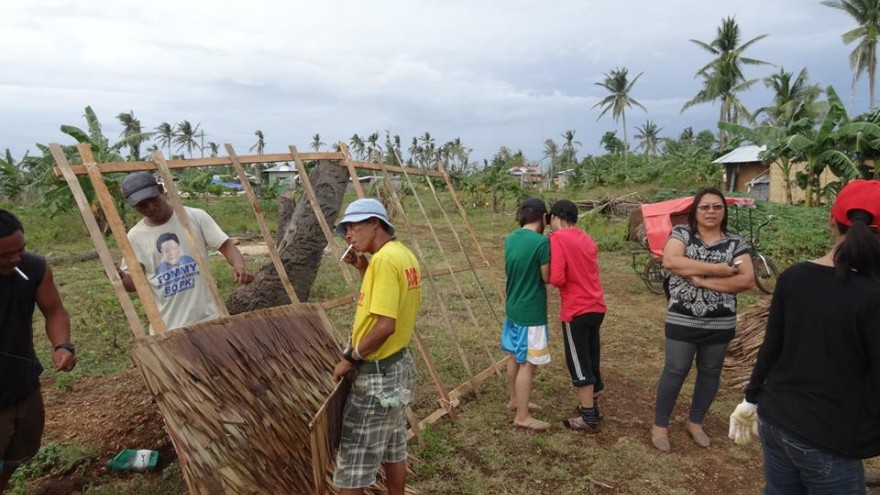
(67, 346)
(346, 354)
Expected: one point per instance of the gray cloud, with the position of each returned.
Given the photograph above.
(490, 72)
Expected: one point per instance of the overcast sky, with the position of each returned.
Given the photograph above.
(501, 73)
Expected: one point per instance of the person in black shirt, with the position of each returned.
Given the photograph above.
(25, 281)
(814, 392)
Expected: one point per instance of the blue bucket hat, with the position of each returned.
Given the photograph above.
(363, 209)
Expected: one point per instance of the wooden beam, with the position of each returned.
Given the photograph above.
(134, 321)
(144, 291)
(393, 168)
(149, 165)
(264, 229)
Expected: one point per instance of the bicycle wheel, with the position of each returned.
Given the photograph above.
(765, 273)
(652, 276)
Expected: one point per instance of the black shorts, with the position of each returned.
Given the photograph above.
(581, 339)
(21, 429)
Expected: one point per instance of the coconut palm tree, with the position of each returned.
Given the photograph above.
(132, 135)
(649, 137)
(863, 59)
(373, 140)
(357, 145)
(260, 145)
(793, 99)
(185, 136)
(214, 148)
(165, 136)
(317, 144)
(619, 86)
(723, 76)
(568, 155)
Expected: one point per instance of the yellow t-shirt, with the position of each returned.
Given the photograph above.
(392, 287)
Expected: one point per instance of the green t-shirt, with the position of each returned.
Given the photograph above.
(525, 251)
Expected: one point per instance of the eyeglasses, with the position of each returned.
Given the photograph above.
(713, 207)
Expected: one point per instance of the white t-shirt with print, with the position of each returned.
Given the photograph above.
(180, 290)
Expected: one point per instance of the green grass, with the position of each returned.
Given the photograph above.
(480, 453)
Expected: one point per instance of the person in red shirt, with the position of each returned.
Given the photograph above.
(574, 270)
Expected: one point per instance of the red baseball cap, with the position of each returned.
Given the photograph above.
(858, 195)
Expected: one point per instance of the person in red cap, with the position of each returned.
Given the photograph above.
(816, 383)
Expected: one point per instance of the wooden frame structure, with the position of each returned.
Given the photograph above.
(448, 399)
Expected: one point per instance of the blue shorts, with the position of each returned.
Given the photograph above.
(526, 343)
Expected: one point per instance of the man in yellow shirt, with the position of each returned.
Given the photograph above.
(373, 423)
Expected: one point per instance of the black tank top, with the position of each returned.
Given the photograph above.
(19, 368)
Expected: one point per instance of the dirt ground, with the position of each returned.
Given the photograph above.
(116, 412)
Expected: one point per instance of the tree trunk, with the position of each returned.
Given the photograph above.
(286, 206)
(301, 247)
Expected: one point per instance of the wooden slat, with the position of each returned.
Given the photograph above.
(264, 229)
(134, 322)
(432, 368)
(322, 221)
(454, 269)
(116, 167)
(393, 168)
(346, 161)
(470, 227)
(339, 301)
(195, 246)
(144, 291)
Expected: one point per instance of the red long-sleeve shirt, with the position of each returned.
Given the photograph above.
(574, 270)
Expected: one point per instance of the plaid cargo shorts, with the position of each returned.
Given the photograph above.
(373, 424)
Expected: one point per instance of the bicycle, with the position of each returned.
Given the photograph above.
(766, 272)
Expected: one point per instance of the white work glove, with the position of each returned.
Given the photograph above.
(744, 423)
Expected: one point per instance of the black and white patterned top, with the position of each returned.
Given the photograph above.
(698, 315)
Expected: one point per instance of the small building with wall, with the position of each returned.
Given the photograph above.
(527, 175)
(741, 166)
(284, 172)
(777, 182)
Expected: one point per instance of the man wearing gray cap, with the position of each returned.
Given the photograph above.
(175, 278)
(373, 422)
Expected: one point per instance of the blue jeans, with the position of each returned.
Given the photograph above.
(793, 467)
(679, 359)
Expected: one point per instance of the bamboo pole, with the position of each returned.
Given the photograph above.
(458, 288)
(420, 344)
(322, 221)
(431, 278)
(134, 322)
(429, 362)
(195, 246)
(142, 286)
(470, 227)
(264, 229)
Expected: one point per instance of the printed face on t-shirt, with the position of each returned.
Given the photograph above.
(170, 252)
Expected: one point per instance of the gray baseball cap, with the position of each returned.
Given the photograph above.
(140, 186)
(362, 209)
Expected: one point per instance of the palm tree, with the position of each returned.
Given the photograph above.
(792, 99)
(316, 143)
(132, 135)
(165, 136)
(259, 146)
(569, 153)
(723, 76)
(863, 58)
(373, 140)
(619, 86)
(185, 136)
(649, 137)
(358, 146)
(214, 148)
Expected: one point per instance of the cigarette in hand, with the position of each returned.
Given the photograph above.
(346, 252)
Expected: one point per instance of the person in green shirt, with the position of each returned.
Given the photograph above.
(525, 334)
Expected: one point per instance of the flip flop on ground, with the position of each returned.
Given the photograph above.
(536, 425)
